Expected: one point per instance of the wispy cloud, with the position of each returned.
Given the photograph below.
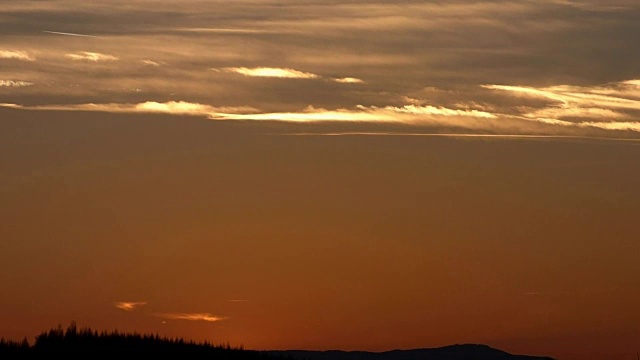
(90, 56)
(68, 34)
(129, 305)
(16, 55)
(403, 114)
(192, 317)
(272, 72)
(151, 63)
(224, 30)
(348, 80)
(612, 106)
(410, 114)
(170, 107)
(14, 83)
(462, 135)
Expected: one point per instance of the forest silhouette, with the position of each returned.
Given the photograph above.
(73, 342)
(89, 343)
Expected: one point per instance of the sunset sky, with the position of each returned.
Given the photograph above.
(308, 174)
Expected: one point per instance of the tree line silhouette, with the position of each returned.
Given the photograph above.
(92, 344)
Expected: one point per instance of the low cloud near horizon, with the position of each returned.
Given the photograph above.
(206, 317)
(130, 305)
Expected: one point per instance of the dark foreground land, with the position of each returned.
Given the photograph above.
(453, 352)
(88, 344)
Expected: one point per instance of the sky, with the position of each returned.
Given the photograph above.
(357, 175)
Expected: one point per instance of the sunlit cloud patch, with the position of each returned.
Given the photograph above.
(16, 55)
(90, 56)
(348, 80)
(129, 305)
(612, 106)
(151, 62)
(14, 83)
(272, 72)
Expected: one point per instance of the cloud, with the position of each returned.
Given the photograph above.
(178, 108)
(272, 72)
(151, 62)
(223, 30)
(170, 107)
(90, 56)
(14, 83)
(68, 34)
(410, 114)
(461, 135)
(439, 111)
(16, 55)
(11, 106)
(192, 317)
(348, 80)
(285, 73)
(618, 125)
(129, 305)
(403, 114)
(613, 105)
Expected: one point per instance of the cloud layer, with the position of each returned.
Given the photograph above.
(476, 65)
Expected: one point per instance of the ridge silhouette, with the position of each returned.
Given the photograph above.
(86, 343)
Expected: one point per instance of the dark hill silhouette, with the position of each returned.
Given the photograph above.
(86, 343)
(453, 352)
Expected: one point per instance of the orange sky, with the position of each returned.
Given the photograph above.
(324, 175)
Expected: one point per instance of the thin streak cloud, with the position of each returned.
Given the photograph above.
(68, 34)
(223, 30)
(151, 63)
(462, 135)
(192, 317)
